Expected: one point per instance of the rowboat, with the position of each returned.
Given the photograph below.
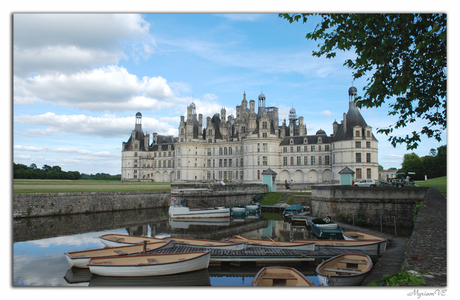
(117, 240)
(185, 212)
(293, 209)
(150, 264)
(280, 276)
(80, 259)
(344, 270)
(209, 244)
(326, 229)
(274, 244)
(253, 208)
(238, 210)
(362, 245)
(364, 236)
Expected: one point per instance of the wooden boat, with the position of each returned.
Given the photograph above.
(293, 209)
(253, 208)
(238, 210)
(80, 259)
(326, 229)
(280, 276)
(274, 244)
(185, 212)
(364, 236)
(150, 264)
(209, 244)
(117, 240)
(371, 245)
(344, 270)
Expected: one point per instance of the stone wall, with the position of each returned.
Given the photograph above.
(50, 204)
(386, 205)
(202, 195)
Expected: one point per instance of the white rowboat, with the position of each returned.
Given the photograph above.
(117, 240)
(365, 245)
(344, 270)
(185, 212)
(280, 276)
(274, 244)
(354, 235)
(150, 265)
(80, 259)
(209, 244)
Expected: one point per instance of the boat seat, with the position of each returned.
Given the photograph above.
(354, 261)
(151, 261)
(341, 271)
(285, 276)
(118, 239)
(119, 252)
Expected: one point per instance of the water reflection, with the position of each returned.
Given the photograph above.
(39, 253)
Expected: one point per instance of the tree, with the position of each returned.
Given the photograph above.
(406, 57)
(412, 163)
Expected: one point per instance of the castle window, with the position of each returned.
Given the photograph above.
(225, 150)
(319, 148)
(225, 163)
(285, 161)
(305, 160)
(368, 173)
(291, 141)
(357, 133)
(299, 160)
(264, 125)
(258, 147)
(258, 160)
(284, 149)
(220, 163)
(292, 149)
(319, 160)
(135, 154)
(220, 150)
(292, 160)
(243, 129)
(358, 158)
(305, 148)
(326, 147)
(368, 157)
(368, 144)
(264, 135)
(313, 160)
(209, 151)
(230, 150)
(264, 147)
(313, 148)
(298, 148)
(358, 173)
(264, 160)
(230, 163)
(326, 160)
(357, 144)
(368, 134)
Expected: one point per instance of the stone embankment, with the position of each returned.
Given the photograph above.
(53, 204)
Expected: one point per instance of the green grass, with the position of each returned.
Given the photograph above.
(71, 186)
(440, 183)
(272, 198)
(290, 199)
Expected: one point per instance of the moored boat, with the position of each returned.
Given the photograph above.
(326, 229)
(344, 270)
(253, 208)
(238, 210)
(117, 240)
(150, 264)
(274, 244)
(185, 212)
(293, 209)
(364, 236)
(80, 259)
(362, 245)
(209, 244)
(280, 276)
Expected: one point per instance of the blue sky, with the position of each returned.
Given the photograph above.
(79, 79)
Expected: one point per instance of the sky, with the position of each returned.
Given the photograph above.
(78, 80)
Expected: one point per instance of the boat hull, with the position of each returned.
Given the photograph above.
(184, 212)
(344, 270)
(208, 244)
(373, 246)
(326, 230)
(353, 235)
(194, 264)
(278, 244)
(280, 276)
(253, 208)
(238, 210)
(80, 259)
(117, 240)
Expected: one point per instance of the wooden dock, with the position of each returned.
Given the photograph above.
(266, 256)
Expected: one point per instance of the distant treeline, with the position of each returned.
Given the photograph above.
(21, 171)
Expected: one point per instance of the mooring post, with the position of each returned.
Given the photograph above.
(145, 247)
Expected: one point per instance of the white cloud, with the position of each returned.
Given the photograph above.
(326, 113)
(107, 126)
(110, 88)
(69, 42)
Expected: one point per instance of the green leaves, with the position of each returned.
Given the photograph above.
(399, 279)
(407, 54)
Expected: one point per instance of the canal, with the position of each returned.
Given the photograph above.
(39, 245)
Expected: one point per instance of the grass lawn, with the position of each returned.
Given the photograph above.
(440, 183)
(71, 186)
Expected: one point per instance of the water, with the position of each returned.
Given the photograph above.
(39, 245)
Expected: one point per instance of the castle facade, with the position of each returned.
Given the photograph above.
(240, 148)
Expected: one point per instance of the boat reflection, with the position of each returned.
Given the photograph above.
(186, 223)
